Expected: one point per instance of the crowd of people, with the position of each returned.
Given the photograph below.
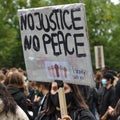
(21, 99)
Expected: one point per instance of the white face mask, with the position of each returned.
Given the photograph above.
(104, 82)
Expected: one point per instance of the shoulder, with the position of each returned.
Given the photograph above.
(14, 91)
(112, 90)
(44, 116)
(85, 114)
(21, 114)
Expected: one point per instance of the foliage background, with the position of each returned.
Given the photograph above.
(103, 21)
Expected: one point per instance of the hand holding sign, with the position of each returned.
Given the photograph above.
(62, 99)
(66, 117)
(57, 33)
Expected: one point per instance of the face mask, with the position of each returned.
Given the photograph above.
(38, 93)
(55, 99)
(69, 98)
(104, 82)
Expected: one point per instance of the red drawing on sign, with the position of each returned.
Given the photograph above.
(65, 72)
(56, 69)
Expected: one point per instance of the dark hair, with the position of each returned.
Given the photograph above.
(77, 97)
(45, 84)
(78, 100)
(109, 76)
(8, 101)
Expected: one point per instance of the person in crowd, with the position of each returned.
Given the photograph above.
(92, 101)
(108, 94)
(98, 78)
(33, 93)
(11, 70)
(114, 73)
(84, 91)
(9, 110)
(40, 102)
(4, 70)
(90, 95)
(76, 106)
(105, 70)
(113, 113)
(117, 89)
(2, 77)
(15, 85)
(30, 96)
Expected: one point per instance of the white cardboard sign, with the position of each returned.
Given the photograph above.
(55, 44)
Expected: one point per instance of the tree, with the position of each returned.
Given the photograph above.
(103, 21)
(11, 53)
(113, 52)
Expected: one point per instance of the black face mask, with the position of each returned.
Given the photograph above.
(69, 98)
(55, 99)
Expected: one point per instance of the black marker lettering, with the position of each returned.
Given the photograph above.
(47, 29)
(46, 40)
(39, 26)
(55, 44)
(27, 43)
(53, 26)
(56, 16)
(61, 41)
(36, 44)
(75, 19)
(68, 40)
(31, 21)
(65, 19)
(61, 19)
(79, 44)
(23, 23)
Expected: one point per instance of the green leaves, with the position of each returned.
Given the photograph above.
(103, 21)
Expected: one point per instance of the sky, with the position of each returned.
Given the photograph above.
(115, 1)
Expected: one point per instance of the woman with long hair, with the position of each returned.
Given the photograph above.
(76, 106)
(9, 110)
(16, 87)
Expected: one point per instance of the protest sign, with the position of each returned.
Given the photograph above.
(55, 44)
(99, 57)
